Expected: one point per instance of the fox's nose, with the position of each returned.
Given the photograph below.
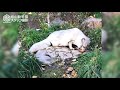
(82, 50)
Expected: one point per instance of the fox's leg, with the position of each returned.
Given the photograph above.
(70, 45)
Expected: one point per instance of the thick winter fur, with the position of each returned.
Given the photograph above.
(62, 38)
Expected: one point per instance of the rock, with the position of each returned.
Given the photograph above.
(57, 21)
(44, 57)
(62, 63)
(91, 23)
(53, 54)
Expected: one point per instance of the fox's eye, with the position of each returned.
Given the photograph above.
(74, 46)
(34, 52)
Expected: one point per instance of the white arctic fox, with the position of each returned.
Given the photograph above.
(63, 38)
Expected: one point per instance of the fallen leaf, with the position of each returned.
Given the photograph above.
(64, 75)
(74, 74)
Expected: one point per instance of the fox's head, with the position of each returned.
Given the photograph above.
(83, 44)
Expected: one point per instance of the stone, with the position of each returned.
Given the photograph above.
(53, 54)
(91, 23)
(57, 21)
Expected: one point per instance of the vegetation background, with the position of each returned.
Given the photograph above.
(89, 65)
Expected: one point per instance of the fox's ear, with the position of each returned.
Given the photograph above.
(83, 40)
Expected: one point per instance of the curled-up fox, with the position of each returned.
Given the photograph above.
(67, 37)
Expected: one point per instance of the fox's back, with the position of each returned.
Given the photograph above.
(69, 33)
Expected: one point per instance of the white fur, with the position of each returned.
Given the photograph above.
(62, 38)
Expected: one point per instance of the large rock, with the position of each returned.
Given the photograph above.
(91, 23)
(53, 54)
(57, 21)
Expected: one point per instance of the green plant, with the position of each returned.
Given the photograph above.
(89, 65)
(10, 34)
(113, 30)
(8, 37)
(111, 58)
(28, 66)
(111, 64)
(95, 38)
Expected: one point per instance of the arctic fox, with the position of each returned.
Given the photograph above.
(63, 38)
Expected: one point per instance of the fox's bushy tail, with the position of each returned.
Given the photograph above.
(39, 45)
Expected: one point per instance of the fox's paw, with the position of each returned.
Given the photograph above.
(72, 49)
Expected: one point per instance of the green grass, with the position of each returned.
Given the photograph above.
(111, 59)
(89, 65)
(8, 36)
(97, 14)
(27, 62)
(30, 36)
(95, 38)
(26, 65)
(113, 30)
(52, 73)
(111, 64)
